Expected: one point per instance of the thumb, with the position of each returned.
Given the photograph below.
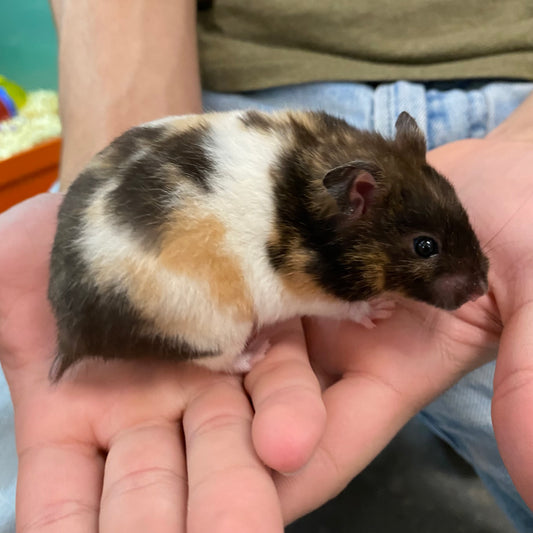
(512, 405)
(26, 234)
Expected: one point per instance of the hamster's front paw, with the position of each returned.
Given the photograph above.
(381, 308)
(375, 309)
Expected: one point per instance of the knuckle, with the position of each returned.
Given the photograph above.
(165, 479)
(56, 516)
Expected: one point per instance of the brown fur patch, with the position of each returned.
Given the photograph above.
(305, 287)
(374, 274)
(256, 120)
(294, 276)
(193, 245)
(184, 122)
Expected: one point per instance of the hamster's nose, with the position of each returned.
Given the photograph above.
(478, 288)
(453, 290)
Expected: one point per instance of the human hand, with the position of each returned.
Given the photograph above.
(386, 379)
(374, 381)
(142, 446)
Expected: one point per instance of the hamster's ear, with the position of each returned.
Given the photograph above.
(353, 186)
(409, 136)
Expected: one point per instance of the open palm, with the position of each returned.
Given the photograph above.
(143, 446)
(376, 380)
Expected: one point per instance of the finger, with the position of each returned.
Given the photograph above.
(145, 487)
(58, 489)
(27, 232)
(363, 416)
(230, 490)
(512, 401)
(30, 224)
(389, 374)
(289, 413)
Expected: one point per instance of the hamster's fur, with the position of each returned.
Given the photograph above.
(187, 234)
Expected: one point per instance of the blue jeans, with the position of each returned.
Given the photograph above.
(446, 113)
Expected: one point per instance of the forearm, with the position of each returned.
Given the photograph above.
(121, 63)
(518, 126)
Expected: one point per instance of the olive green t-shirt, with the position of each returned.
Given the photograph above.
(254, 44)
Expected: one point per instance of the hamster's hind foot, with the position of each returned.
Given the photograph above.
(254, 352)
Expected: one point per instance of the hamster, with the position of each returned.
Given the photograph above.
(186, 235)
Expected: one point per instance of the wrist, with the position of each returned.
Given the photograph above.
(518, 126)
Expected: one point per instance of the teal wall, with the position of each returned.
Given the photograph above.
(28, 44)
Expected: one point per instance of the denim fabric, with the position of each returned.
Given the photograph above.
(446, 113)
(8, 460)
(462, 417)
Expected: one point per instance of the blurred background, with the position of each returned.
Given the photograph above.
(29, 123)
(28, 44)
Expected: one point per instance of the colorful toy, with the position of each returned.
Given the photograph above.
(12, 98)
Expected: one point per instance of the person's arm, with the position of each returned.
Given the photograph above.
(121, 63)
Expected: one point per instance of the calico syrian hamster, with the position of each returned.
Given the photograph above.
(185, 235)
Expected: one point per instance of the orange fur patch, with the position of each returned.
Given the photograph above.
(193, 245)
(185, 122)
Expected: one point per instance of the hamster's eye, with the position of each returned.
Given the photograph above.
(425, 246)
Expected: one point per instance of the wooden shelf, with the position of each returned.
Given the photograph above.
(29, 173)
